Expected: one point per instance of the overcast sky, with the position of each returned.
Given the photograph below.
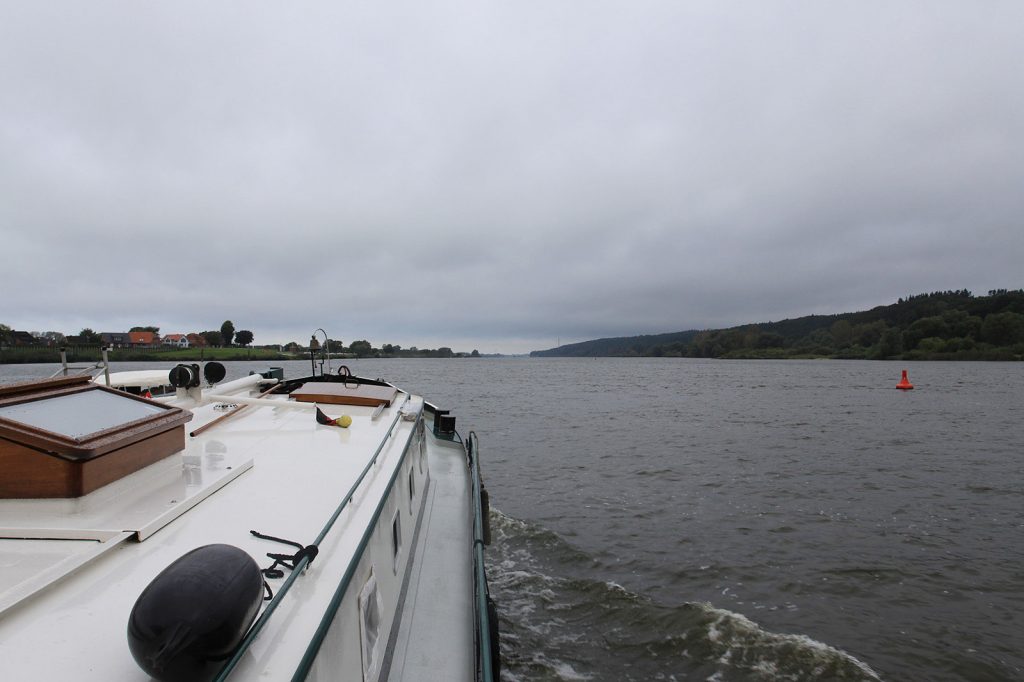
(502, 175)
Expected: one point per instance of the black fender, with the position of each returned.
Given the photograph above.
(196, 611)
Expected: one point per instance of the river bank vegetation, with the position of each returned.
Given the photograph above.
(46, 350)
(943, 325)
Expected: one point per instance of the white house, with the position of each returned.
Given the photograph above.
(178, 340)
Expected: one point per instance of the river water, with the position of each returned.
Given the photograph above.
(674, 519)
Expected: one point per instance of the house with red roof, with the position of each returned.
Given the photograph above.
(144, 339)
(177, 340)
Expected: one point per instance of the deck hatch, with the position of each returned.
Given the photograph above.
(79, 414)
(68, 437)
(342, 394)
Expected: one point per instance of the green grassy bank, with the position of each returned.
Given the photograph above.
(78, 354)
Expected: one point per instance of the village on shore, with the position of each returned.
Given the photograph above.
(148, 344)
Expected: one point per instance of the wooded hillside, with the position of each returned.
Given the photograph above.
(943, 325)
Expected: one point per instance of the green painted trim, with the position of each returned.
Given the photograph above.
(228, 667)
(313, 648)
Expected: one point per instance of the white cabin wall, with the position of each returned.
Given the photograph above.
(342, 646)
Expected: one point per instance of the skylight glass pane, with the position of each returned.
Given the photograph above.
(79, 414)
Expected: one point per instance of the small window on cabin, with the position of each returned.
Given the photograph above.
(396, 538)
(422, 444)
(369, 628)
(412, 487)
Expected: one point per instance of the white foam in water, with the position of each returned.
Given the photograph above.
(567, 672)
(563, 670)
(741, 636)
(615, 587)
(550, 631)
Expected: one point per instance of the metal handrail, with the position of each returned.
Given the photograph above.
(326, 349)
(313, 648)
(485, 669)
(65, 369)
(300, 565)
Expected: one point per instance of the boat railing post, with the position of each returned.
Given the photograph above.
(106, 364)
(326, 350)
(314, 346)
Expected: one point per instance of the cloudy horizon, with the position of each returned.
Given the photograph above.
(502, 176)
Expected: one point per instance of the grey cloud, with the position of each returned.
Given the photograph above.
(502, 174)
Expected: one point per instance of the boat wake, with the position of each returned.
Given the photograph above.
(560, 623)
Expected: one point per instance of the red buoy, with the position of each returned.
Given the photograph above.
(904, 382)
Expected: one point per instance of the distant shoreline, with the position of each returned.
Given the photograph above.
(22, 355)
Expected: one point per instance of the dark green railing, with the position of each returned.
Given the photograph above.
(300, 566)
(485, 653)
(485, 658)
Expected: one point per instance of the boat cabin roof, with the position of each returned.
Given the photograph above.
(73, 568)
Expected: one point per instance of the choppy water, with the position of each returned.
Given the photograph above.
(714, 520)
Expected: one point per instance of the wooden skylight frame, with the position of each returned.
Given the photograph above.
(36, 461)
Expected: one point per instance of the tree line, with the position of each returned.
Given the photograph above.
(364, 349)
(942, 325)
(226, 336)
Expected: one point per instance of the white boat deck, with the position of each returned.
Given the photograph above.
(270, 469)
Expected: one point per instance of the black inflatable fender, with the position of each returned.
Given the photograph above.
(195, 612)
